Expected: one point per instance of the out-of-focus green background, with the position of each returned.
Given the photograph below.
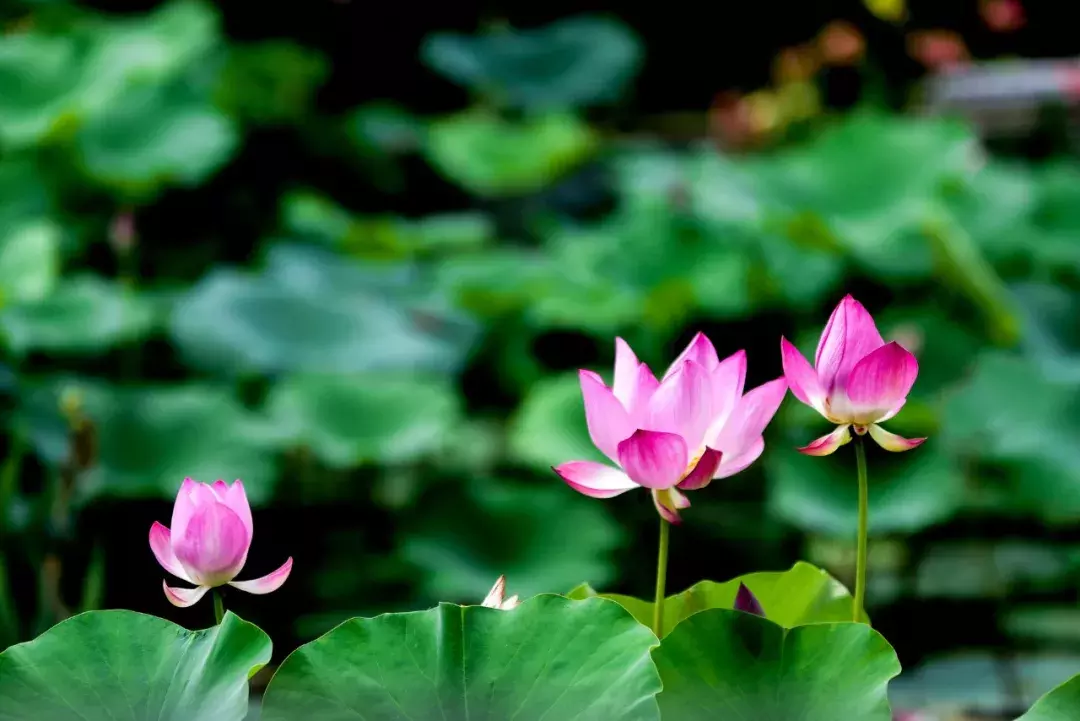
(355, 255)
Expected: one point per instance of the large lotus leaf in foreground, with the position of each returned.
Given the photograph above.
(550, 658)
(725, 665)
(126, 666)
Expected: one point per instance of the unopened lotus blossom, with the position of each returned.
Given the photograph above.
(747, 602)
(674, 434)
(209, 541)
(496, 597)
(857, 382)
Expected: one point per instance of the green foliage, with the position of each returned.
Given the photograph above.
(548, 658)
(150, 437)
(1059, 705)
(307, 311)
(352, 420)
(492, 157)
(374, 314)
(571, 62)
(796, 597)
(730, 665)
(544, 537)
(84, 314)
(126, 666)
(907, 493)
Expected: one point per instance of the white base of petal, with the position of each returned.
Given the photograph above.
(184, 597)
(268, 583)
(893, 442)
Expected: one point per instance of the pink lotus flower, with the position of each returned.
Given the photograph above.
(209, 542)
(496, 597)
(747, 602)
(676, 434)
(858, 380)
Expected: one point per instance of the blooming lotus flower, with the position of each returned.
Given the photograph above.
(676, 434)
(209, 541)
(747, 602)
(858, 380)
(496, 597)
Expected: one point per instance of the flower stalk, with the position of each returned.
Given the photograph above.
(661, 578)
(864, 525)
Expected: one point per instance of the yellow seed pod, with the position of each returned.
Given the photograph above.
(798, 101)
(764, 111)
(892, 11)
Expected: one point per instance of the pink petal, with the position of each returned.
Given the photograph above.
(880, 381)
(654, 459)
(668, 504)
(608, 421)
(595, 479)
(495, 596)
(184, 597)
(202, 494)
(703, 471)
(626, 373)
(752, 413)
(683, 404)
(849, 336)
(235, 498)
(828, 444)
(700, 350)
(730, 466)
(183, 507)
(268, 583)
(728, 381)
(642, 396)
(801, 376)
(892, 411)
(214, 546)
(161, 545)
(893, 442)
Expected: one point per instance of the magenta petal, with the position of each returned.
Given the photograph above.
(893, 442)
(654, 459)
(747, 602)
(214, 546)
(236, 498)
(700, 350)
(607, 420)
(595, 479)
(703, 471)
(183, 507)
(268, 583)
(683, 404)
(752, 413)
(849, 336)
(735, 464)
(642, 396)
(801, 376)
(827, 445)
(626, 374)
(161, 545)
(881, 381)
(184, 597)
(728, 381)
(668, 504)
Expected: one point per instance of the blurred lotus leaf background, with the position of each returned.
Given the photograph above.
(355, 254)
